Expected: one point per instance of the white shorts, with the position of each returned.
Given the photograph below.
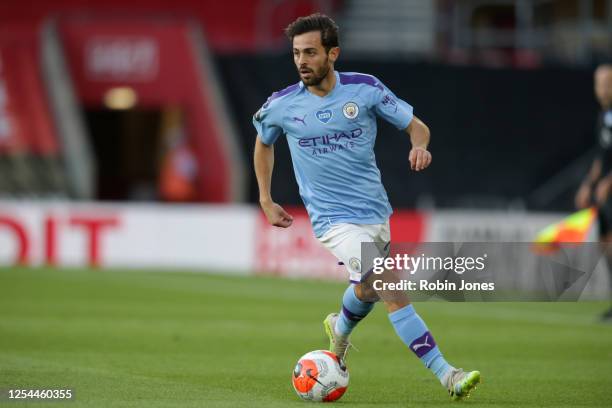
(344, 241)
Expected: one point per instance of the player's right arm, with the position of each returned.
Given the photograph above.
(585, 192)
(264, 164)
(267, 122)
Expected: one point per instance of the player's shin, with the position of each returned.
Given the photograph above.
(414, 333)
(352, 312)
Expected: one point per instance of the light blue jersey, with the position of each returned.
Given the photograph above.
(331, 140)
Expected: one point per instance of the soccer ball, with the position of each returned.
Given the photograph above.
(319, 376)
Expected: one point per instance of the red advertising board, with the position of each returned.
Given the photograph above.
(295, 251)
(28, 239)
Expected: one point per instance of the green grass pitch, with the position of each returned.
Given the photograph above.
(153, 339)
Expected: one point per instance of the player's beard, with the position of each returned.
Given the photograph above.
(317, 76)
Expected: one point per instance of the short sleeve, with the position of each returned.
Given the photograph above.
(267, 127)
(392, 109)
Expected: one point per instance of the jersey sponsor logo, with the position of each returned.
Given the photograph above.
(330, 139)
(324, 115)
(350, 110)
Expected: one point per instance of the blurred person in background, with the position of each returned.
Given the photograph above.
(329, 120)
(179, 167)
(595, 189)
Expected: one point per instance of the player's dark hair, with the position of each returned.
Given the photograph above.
(315, 22)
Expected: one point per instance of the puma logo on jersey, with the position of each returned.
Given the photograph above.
(302, 120)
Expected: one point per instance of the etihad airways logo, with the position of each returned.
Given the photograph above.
(330, 139)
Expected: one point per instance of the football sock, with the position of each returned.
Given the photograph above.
(414, 333)
(352, 312)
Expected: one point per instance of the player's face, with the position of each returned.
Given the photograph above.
(312, 61)
(603, 87)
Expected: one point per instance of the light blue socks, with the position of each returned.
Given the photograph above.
(353, 311)
(414, 333)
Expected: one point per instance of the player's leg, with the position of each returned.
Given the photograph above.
(413, 331)
(344, 241)
(339, 326)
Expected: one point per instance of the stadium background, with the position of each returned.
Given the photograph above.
(126, 144)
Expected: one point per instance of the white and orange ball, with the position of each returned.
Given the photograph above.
(319, 376)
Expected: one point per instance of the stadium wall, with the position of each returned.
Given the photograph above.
(254, 25)
(128, 236)
(497, 135)
(233, 239)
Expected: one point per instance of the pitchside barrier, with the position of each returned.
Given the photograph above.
(237, 239)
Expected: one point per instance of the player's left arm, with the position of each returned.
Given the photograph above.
(400, 114)
(419, 157)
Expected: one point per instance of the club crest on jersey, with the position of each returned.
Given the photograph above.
(350, 110)
(324, 115)
(355, 264)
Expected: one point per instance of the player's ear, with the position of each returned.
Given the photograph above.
(333, 54)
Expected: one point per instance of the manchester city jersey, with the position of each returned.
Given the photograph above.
(331, 140)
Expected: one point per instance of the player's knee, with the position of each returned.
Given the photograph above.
(396, 304)
(366, 293)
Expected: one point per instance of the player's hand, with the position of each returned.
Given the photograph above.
(419, 158)
(583, 196)
(276, 215)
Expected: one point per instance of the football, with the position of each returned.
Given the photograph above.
(320, 376)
